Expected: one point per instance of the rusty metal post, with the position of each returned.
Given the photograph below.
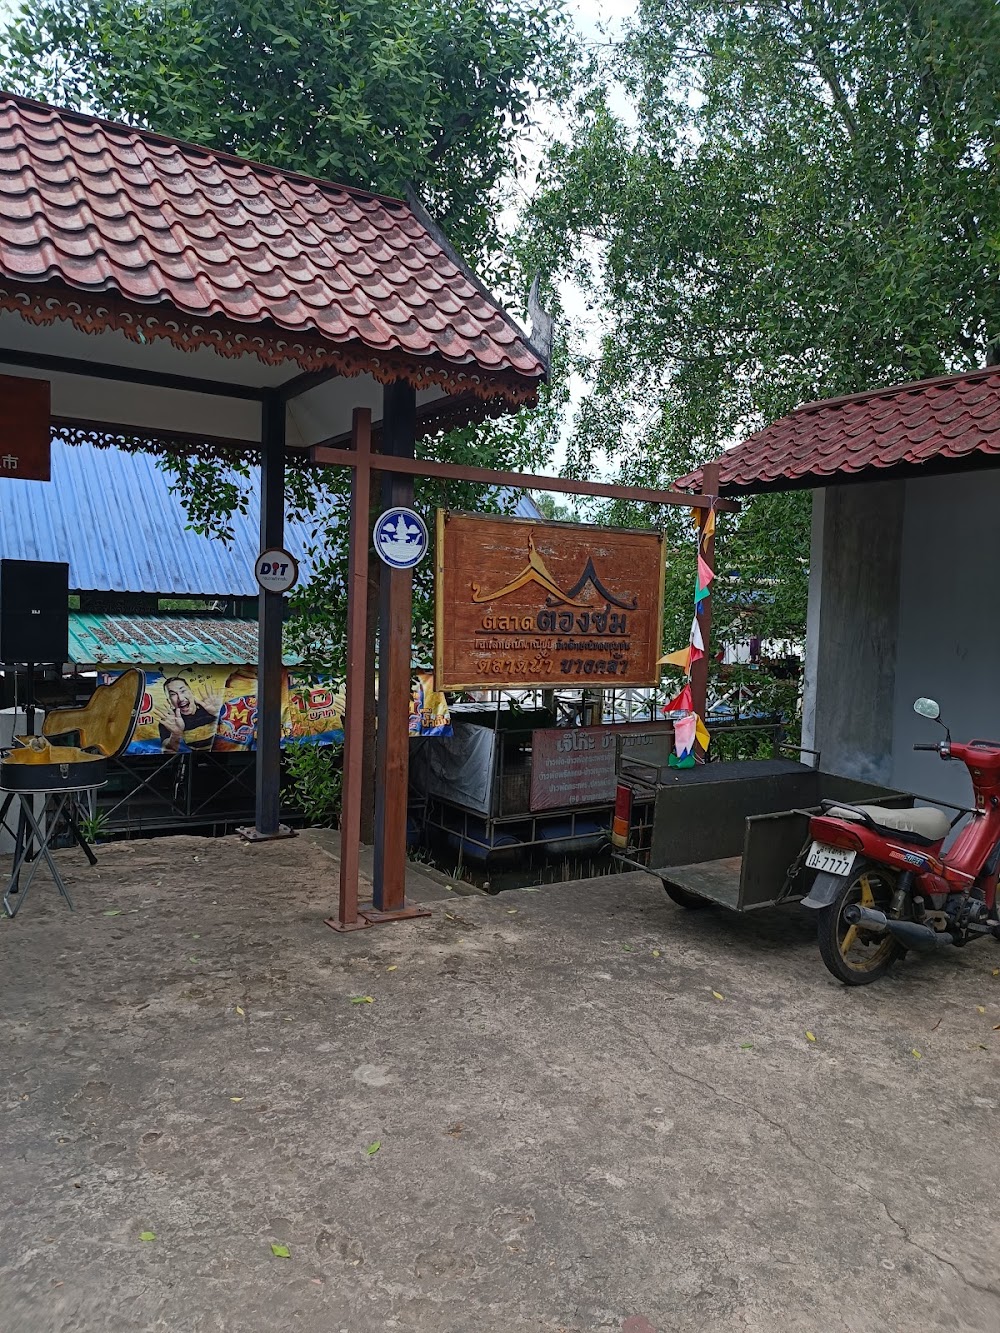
(392, 762)
(371, 645)
(706, 546)
(357, 635)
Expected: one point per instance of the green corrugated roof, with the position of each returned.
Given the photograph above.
(102, 639)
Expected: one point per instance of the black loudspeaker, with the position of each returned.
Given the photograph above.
(34, 611)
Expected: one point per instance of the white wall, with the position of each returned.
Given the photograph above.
(949, 625)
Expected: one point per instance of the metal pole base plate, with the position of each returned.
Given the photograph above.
(408, 912)
(249, 834)
(342, 927)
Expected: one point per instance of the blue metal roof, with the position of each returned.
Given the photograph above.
(112, 517)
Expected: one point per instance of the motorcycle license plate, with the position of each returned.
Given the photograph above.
(834, 860)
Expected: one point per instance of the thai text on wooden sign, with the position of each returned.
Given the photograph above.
(25, 428)
(521, 602)
(576, 765)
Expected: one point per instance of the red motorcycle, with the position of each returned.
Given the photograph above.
(884, 885)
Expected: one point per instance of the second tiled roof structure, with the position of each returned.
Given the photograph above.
(945, 422)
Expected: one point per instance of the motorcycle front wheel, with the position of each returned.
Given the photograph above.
(854, 955)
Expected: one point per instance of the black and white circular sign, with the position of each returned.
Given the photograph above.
(276, 570)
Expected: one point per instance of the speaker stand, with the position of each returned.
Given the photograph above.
(29, 698)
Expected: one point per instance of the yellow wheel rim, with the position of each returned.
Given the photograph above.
(857, 945)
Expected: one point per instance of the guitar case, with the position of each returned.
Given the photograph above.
(107, 722)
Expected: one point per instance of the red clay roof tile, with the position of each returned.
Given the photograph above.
(904, 426)
(102, 207)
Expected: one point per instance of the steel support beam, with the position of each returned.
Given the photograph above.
(270, 619)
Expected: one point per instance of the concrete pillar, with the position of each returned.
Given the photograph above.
(852, 628)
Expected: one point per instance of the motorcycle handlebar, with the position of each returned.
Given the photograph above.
(935, 746)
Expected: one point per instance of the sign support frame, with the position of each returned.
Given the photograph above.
(395, 642)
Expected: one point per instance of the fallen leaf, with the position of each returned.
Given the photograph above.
(627, 948)
(511, 911)
(916, 1054)
(393, 968)
(656, 953)
(240, 1012)
(316, 1281)
(747, 1046)
(281, 1251)
(810, 1037)
(996, 1027)
(236, 1099)
(115, 911)
(996, 971)
(147, 1235)
(196, 937)
(717, 995)
(362, 999)
(980, 1008)
(373, 1148)
(980, 1047)
(192, 959)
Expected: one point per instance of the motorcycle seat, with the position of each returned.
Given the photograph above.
(927, 824)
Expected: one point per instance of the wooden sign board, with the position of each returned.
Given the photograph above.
(25, 428)
(526, 603)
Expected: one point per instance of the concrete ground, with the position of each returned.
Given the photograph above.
(574, 1109)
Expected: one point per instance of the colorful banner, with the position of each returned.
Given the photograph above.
(429, 715)
(214, 708)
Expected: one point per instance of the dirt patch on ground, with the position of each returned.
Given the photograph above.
(526, 1113)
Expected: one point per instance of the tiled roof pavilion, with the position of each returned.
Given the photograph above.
(121, 245)
(944, 424)
(170, 293)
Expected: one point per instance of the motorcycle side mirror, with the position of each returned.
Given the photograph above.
(928, 708)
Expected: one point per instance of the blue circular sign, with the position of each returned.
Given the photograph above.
(400, 538)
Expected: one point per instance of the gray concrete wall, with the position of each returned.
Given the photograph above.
(949, 625)
(854, 593)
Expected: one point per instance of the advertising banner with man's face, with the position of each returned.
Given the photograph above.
(209, 708)
(214, 709)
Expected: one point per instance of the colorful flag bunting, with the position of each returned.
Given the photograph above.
(684, 734)
(681, 702)
(682, 659)
(705, 572)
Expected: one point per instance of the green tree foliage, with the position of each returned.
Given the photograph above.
(433, 93)
(775, 202)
